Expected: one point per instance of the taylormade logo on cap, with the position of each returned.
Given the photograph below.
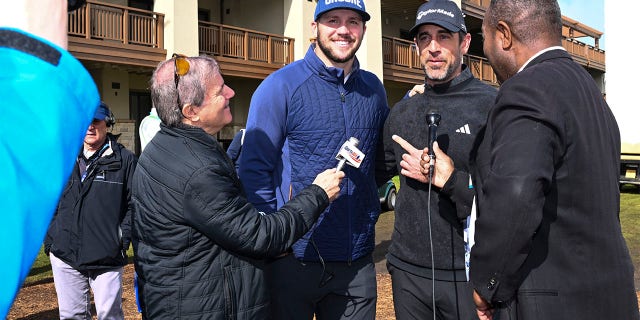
(440, 11)
(444, 13)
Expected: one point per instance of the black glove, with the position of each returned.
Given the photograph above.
(47, 249)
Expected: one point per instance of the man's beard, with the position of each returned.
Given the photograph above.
(329, 54)
(447, 75)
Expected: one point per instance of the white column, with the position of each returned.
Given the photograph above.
(180, 26)
(298, 17)
(370, 53)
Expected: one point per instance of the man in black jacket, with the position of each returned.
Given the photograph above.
(415, 263)
(548, 243)
(198, 242)
(91, 229)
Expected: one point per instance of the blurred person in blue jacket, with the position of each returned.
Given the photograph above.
(49, 97)
(234, 149)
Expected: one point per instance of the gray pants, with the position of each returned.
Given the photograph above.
(72, 288)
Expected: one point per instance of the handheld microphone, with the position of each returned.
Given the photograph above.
(433, 121)
(349, 154)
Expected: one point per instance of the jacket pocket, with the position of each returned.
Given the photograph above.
(539, 304)
(161, 302)
(229, 294)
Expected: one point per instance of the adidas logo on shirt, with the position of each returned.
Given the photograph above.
(464, 129)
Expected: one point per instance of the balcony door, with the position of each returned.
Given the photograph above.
(140, 106)
(141, 4)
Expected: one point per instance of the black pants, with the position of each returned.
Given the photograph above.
(301, 289)
(412, 297)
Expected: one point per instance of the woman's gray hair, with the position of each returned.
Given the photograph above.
(192, 87)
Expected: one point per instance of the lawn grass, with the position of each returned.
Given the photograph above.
(41, 268)
(629, 218)
(630, 221)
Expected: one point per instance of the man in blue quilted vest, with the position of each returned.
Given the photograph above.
(298, 119)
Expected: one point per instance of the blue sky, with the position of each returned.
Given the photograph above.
(589, 12)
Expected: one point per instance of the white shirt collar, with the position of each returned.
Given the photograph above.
(539, 53)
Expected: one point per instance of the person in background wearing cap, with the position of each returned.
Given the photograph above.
(423, 270)
(48, 96)
(548, 242)
(298, 119)
(91, 228)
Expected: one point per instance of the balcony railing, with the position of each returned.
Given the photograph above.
(243, 44)
(585, 54)
(109, 22)
(400, 53)
(481, 69)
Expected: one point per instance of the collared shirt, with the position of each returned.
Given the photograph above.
(539, 53)
(85, 163)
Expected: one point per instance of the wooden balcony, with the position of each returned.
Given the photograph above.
(481, 69)
(243, 52)
(585, 54)
(400, 61)
(475, 8)
(478, 3)
(402, 64)
(116, 34)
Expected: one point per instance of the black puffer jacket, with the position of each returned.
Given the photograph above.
(91, 228)
(197, 240)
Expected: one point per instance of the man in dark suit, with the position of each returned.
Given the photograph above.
(548, 243)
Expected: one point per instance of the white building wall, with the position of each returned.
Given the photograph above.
(297, 18)
(622, 70)
(213, 6)
(266, 15)
(370, 52)
(113, 85)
